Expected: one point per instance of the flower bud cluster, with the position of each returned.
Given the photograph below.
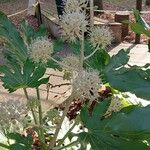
(86, 85)
(75, 5)
(73, 24)
(11, 111)
(40, 50)
(74, 21)
(100, 36)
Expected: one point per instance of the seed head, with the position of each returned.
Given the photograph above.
(11, 110)
(75, 5)
(73, 24)
(86, 85)
(100, 36)
(40, 50)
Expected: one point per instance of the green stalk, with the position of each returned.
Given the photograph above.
(66, 146)
(66, 135)
(32, 111)
(40, 131)
(90, 55)
(39, 106)
(53, 142)
(82, 50)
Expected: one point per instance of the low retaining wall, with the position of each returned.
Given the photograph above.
(53, 26)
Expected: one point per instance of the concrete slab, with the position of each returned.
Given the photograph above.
(55, 95)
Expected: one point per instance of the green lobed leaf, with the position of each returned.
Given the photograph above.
(130, 123)
(132, 79)
(121, 131)
(15, 42)
(30, 75)
(21, 142)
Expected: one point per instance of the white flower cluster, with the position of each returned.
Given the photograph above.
(100, 36)
(75, 5)
(73, 24)
(72, 62)
(11, 111)
(40, 50)
(86, 85)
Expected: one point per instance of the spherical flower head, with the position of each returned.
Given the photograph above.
(73, 24)
(75, 5)
(11, 110)
(71, 62)
(100, 36)
(86, 85)
(40, 50)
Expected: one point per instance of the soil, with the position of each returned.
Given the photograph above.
(11, 7)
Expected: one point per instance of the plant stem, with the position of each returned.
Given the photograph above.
(33, 114)
(66, 146)
(68, 102)
(66, 135)
(82, 50)
(96, 49)
(39, 106)
(60, 63)
(40, 131)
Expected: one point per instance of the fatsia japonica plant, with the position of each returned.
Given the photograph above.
(140, 26)
(100, 116)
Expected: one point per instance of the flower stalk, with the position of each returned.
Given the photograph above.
(82, 50)
(68, 103)
(32, 111)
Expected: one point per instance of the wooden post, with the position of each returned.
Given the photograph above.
(38, 13)
(60, 7)
(121, 17)
(138, 7)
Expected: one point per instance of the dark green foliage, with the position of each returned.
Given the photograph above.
(125, 130)
(127, 79)
(20, 142)
(30, 75)
(15, 43)
(98, 61)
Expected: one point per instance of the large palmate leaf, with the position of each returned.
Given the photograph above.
(121, 131)
(30, 75)
(140, 29)
(132, 79)
(132, 122)
(15, 43)
(20, 142)
(141, 26)
(140, 20)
